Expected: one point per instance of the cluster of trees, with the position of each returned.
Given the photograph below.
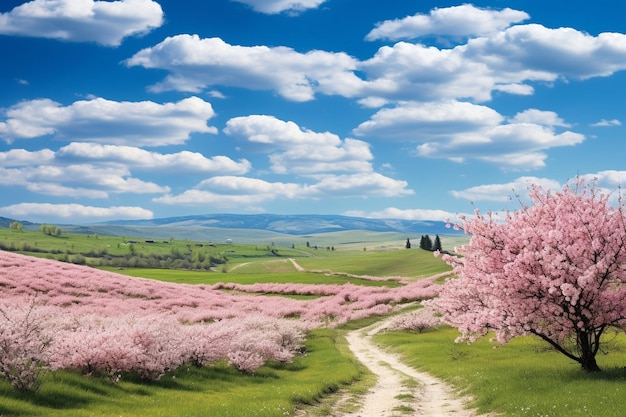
(194, 258)
(50, 230)
(427, 243)
(176, 259)
(16, 226)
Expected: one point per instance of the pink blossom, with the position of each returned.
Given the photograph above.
(554, 269)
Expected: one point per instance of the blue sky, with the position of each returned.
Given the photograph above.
(407, 109)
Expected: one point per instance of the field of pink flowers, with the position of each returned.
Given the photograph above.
(55, 315)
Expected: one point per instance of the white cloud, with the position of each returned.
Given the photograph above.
(610, 178)
(103, 22)
(233, 191)
(366, 184)
(73, 213)
(422, 121)
(459, 131)
(278, 6)
(534, 52)
(297, 150)
(605, 123)
(407, 71)
(458, 21)
(78, 180)
(196, 63)
(184, 161)
(507, 61)
(143, 123)
(22, 157)
(505, 192)
(534, 116)
(404, 214)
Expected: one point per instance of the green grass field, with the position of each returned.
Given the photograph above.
(410, 263)
(522, 378)
(202, 277)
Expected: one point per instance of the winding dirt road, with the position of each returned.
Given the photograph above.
(400, 390)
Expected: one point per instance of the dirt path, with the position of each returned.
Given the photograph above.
(401, 390)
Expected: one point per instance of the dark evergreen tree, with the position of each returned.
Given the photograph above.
(426, 243)
(437, 244)
(408, 244)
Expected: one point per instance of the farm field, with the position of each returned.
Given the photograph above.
(522, 378)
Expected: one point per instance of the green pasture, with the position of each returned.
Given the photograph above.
(410, 263)
(98, 244)
(522, 378)
(209, 278)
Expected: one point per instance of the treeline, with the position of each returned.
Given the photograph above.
(176, 259)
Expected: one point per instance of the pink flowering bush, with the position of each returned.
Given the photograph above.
(24, 345)
(260, 339)
(102, 323)
(554, 269)
(418, 320)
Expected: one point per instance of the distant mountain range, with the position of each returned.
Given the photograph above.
(295, 224)
(263, 228)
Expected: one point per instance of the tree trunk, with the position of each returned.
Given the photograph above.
(589, 364)
(587, 353)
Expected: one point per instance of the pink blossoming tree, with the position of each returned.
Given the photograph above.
(555, 268)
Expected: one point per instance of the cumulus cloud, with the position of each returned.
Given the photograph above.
(297, 150)
(279, 6)
(506, 191)
(184, 161)
(196, 63)
(458, 21)
(404, 214)
(233, 191)
(74, 213)
(536, 52)
(507, 61)
(103, 22)
(460, 130)
(22, 157)
(510, 61)
(78, 180)
(143, 123)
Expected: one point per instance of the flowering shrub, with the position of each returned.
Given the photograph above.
(419, 320)
(24, 345)
(98, 322)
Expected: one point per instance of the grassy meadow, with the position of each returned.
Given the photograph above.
(522, 378)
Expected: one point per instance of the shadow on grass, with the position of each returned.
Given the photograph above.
(65, 390)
